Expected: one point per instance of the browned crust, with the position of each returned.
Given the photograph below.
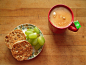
(14, 36)
(21, 50)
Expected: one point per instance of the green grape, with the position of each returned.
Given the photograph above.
(27, 37)
(37, 46)
(30, 41)
(41, 40)
(36, 30)
(35, 41)
(33, 35)
(28, 32)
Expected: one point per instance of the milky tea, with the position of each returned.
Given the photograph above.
(60, 17)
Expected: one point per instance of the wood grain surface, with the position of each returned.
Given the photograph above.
(68, 48)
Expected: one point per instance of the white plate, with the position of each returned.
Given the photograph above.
(24, 27)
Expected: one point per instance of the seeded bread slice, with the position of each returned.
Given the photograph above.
(21, 50)
(14, 36)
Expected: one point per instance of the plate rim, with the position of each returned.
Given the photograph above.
(26, 40)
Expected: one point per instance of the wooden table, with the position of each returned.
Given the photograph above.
(68, 48)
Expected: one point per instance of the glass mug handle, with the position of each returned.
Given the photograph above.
(75, 26)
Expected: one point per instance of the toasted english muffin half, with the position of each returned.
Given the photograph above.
(14, 36)
(21, 50)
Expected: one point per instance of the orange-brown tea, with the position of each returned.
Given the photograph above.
(60, 17)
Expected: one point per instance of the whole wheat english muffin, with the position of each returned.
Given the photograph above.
(14, 36)
(21, 50)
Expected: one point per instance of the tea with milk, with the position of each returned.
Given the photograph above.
(60, 17)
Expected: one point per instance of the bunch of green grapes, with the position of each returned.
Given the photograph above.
(34, 38)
